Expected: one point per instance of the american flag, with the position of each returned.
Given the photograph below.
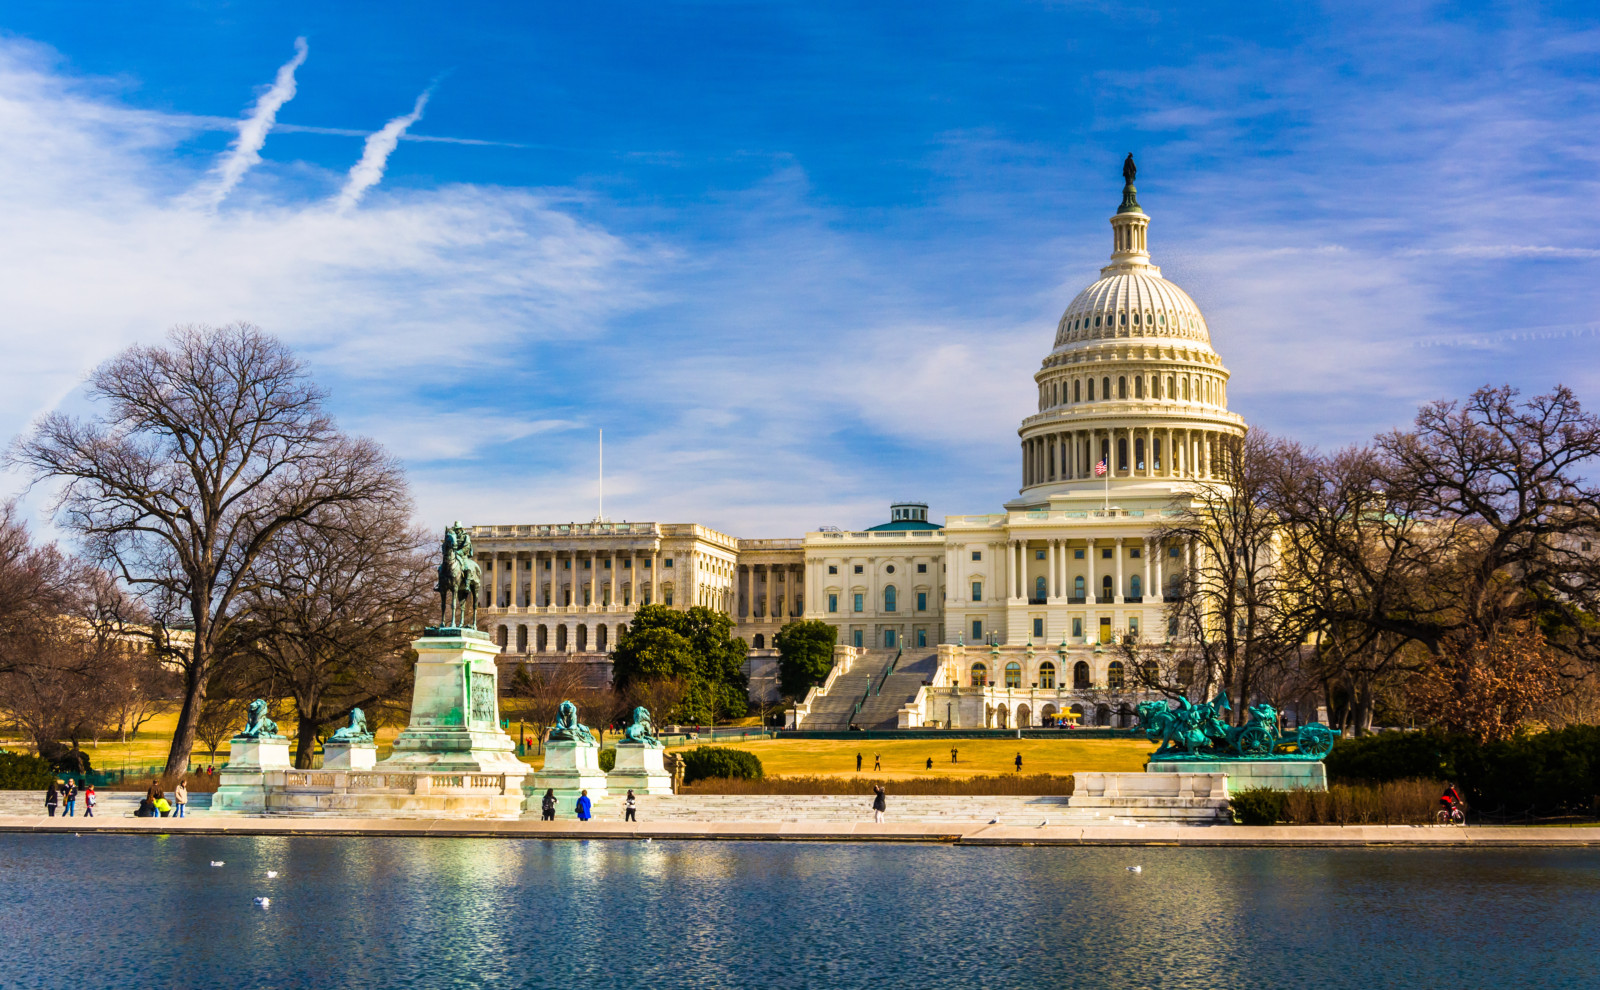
(1099, 467)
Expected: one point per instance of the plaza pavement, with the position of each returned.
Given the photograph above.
(952, 832)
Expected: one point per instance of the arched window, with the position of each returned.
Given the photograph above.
(1124, 319)
(504, 635)
(1102, 715)
(1186, 672)
(1039, 590)
(583, 638)
(522, 639)
(1077, 586)
(1147, 672)
(1122, 453)
(760, 642)
(1136, 319)
(888, 597)
(1077, 391)
(1105, 387)
(1138, 387)
(1122, 386)
(1047, 675)
(1091, 390)
(1138, 453)
(1055, 393)
(600, 633)
(980, 675)
(1170, 393)
(1013, 674)
(1080, 675)
(1186, 390)
(1105, 587)
(1114, 675)
(1134, 587)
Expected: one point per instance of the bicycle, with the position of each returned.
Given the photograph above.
(1452, 815)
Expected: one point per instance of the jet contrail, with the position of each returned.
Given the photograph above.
(245, 151)
(375, 156)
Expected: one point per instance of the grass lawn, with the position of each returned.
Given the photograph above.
(976, 757)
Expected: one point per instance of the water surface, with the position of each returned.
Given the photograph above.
(148, 911)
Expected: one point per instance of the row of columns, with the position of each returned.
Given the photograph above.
(784, 598)
(1165, 452)
(548, 589)
(1056, 567)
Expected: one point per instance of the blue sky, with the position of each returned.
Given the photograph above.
(795, 259)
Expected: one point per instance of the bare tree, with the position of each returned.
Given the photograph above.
(536, 692)
(208, 448)
(332, 611)
(1234, 610)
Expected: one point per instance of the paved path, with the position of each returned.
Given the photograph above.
(957, 833)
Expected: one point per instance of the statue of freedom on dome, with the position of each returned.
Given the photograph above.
(1129, 169)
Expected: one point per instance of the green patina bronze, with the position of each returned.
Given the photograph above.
(641, 731)
(257, 724)
(568, 728)
(356, 731)
(1130, 201)
(1197, 731)
(460, 579)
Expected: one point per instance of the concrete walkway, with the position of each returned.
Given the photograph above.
(955, 833)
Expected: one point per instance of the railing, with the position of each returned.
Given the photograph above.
(410, 783)
(570, 529)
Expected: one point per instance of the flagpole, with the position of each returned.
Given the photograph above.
(1108, 486)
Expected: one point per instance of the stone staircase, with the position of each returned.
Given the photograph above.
(896, 690)
(832, 711)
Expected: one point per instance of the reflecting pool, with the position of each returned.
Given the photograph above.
(150, 911)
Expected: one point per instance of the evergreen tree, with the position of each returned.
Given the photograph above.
(694, 646)
(805, 655)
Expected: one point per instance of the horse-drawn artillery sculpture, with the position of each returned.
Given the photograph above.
(1198, 730)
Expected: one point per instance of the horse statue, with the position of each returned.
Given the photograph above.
(568, 728)
(356, 731)
(460, 579)
(257, 725)
(641, 732)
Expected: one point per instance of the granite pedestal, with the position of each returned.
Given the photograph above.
(241, 785)
(1279, 775)
(1176, 798)
(570, 767)
(639, 768)
(340, 754)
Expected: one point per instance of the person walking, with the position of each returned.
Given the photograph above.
(858, 763)
(880, 803)
(877, 761)
(630, 808)
(584, 804)
(952, 754)
(930, 763)
(69, 800)
(88, 801)
(548, 807)
(1019, 763)
(52, 799)
(180, 798)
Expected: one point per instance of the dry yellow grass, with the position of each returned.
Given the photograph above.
(902, 759)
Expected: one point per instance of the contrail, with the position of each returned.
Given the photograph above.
(245, 151)
(375, 156)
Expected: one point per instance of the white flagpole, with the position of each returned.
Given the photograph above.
(602, 468)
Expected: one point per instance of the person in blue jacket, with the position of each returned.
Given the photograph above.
(583, 806)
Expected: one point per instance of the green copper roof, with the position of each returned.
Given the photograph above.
(903, 524)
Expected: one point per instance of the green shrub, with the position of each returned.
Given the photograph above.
(1386, 756)
(608, 760)
(1259, 806)
(720, 761)
(21, 772)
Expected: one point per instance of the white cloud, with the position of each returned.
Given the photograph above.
(368, 172)
(245, 152)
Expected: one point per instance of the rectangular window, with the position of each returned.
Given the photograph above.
(1077, 628)
(566, 565)
(922, 637)
(858, 568)
(833, 603)
(1038, 628)
(855, 638)
(977, 630)
(977, 591)
(922, 601)
(859, 602)
(977, 555)
(1077, 555)
(1172, 627)
(1133, 624)
(669, 562)
(586, 563)
(1172, 551)
(923, 568)
(1105, 554)
(833, 568)
(1134, 553)
(888, 638)
(627, 564)
(1038, 555)
(666, 599)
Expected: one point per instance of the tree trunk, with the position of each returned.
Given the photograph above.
(305, 744)
(194, 695)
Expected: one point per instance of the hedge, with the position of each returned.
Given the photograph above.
(1258, 806)
(720, 761)
(1533, 773)
(21, 772)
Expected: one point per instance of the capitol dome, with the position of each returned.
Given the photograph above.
(1132, 382)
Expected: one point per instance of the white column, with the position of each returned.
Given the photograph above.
(1161, 554)
(1010, 574)
(1148, 544)
(1119, 553)
(616, 585)
(1092, 592)
(1051, 590)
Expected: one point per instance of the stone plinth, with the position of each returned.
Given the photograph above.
(639, 769)
(340, 754)
(455, 710)
(1177, 798)
(569, 767)
(1279, 775)
(241, 785)
(406, 794)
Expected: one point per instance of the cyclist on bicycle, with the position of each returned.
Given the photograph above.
(1451, 802)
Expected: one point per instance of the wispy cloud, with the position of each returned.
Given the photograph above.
(368, 172)
(245, 151)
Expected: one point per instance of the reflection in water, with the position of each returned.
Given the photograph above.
(511, 913)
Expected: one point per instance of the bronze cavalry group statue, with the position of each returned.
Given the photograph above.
(1198, 730)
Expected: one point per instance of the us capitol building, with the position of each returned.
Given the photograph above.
(996, 619)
